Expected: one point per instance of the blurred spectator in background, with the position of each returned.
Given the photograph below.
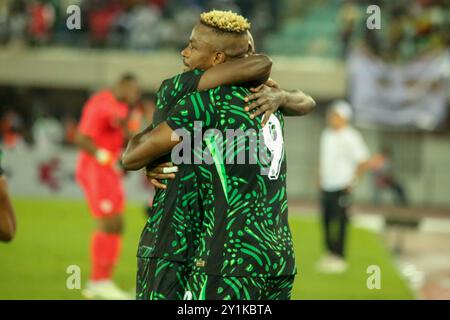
(349, 16)
(184, 17)
(4, 15)
(41, 17)
(7, 216)
(135, 119)
(11, 129)
(70, 129)
(50, 173)
(48, 134)
(101, 15)
(144, 27)
(343, 160)
(384, 179)
(17, 22)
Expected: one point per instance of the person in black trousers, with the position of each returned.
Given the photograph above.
(344, 158)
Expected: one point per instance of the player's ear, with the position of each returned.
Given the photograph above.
(219, 58)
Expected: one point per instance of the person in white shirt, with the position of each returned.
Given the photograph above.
(344, 157)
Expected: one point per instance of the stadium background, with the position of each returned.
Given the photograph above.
(48, 71)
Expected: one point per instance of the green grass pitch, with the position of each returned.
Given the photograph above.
(54, 234)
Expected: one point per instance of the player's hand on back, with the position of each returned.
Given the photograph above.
(272, 83)
(265, 99)
(160, 172)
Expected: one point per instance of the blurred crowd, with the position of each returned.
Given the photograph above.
(129, 24)
(42, 128)
(409, 28)
(46, 131)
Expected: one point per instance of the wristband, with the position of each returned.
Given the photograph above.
(103, 156)
(170, 169)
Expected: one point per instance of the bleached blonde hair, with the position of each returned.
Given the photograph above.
(226, 21)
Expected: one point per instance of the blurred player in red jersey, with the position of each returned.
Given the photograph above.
(101, 135)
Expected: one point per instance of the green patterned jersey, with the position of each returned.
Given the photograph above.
(241, 172)
(172, 90)
(172, 229)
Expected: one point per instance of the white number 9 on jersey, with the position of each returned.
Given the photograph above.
(273, 138)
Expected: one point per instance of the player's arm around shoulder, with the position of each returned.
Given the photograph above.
(254, 69)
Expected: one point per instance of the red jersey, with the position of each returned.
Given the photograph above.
(101, 121)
